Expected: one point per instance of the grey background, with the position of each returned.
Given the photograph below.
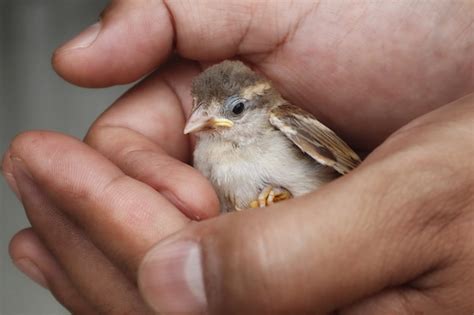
(32, 96)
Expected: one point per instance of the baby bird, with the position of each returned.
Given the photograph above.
(254, 146)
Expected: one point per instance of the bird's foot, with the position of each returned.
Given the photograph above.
(269, 195)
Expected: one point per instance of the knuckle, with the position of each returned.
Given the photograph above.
(96, 135)
(437, 201)
(443, 200)
(116, 142)
(433, 187)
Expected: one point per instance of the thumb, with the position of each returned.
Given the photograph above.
(133, 37)
(316, 253)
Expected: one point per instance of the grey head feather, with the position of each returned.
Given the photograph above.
(223, 80)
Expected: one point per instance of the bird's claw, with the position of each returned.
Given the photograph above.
(269, 196)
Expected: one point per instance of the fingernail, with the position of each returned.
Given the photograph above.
(180, 205)
(25, 184)
(11, 183)
(84, 39)
(8, 175)
(171, 278)
(30, 269)
(19, 170)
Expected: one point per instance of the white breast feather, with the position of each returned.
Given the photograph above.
(239, 174)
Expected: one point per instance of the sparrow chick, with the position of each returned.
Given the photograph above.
(255, 147)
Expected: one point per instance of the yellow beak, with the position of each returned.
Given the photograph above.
(198, 123)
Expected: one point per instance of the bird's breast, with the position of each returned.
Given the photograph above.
(238, 174)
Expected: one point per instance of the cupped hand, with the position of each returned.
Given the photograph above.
(97, 207)
(365, 69)
(395, 236)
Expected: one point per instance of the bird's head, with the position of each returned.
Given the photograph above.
(230, 101)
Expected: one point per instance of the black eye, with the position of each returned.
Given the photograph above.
(238, 108)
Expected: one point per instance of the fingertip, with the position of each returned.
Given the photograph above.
(205, 201)
(25, 251)
(28, 143)
(22, 243)
(32, 258)
(6, 169)
(131, 39)
(171, 279)
(201, 204)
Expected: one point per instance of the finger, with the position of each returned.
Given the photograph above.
(389, 223)
(401, 301)
(130, 39)
(297, 45)
(142, 133)
(145, 161)
(122, 216)
(134, 37)
(33, 259)
(101, 284)
(157, 108)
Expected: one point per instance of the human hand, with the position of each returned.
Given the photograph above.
(365, 68)
(140, 48)
(77, 198)
(392, 237)
(395, 236)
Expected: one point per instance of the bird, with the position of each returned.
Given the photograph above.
(255, 147)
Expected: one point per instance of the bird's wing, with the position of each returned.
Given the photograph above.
(313, 138)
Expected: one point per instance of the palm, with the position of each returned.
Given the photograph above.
(366, 69)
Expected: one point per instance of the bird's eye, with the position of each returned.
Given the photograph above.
(238, 108)
(235, 105)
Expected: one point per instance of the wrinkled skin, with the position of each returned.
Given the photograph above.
(393, 237)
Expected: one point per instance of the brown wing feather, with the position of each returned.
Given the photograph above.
(313, 138)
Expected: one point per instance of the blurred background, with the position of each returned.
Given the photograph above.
(33, 96)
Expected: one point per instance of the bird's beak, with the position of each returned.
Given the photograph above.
(198, 122)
